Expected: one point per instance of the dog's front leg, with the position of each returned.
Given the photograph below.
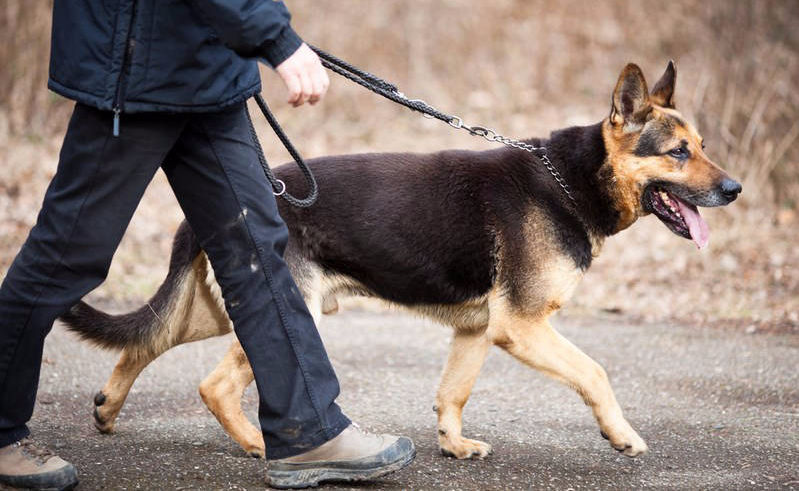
(466, 356)
(536, 343)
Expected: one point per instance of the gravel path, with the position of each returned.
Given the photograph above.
(719, 409)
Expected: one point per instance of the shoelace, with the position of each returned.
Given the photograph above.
(30, 449)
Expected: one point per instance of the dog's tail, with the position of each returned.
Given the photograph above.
(138, 328)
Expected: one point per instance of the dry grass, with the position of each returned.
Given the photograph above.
(525, 68)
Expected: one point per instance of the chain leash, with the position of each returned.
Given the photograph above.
(391, 92)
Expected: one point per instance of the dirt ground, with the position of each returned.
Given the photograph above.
(719, 408)
(701, 345)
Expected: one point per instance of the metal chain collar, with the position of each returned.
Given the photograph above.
(390, 91)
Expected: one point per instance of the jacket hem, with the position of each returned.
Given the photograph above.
(134, 106)
(78, 96)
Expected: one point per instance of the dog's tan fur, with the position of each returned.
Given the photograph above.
(478, 323)
(522, 328)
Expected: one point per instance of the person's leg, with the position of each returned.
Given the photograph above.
(87, 207)
(215, 174)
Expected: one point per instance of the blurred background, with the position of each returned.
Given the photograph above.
(524, 68)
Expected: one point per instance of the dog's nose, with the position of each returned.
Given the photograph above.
(730, 188)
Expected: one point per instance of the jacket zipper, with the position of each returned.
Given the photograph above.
(130, 45)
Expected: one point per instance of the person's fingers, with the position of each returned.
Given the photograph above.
(319, 88)
(294, 87)
(307, 88)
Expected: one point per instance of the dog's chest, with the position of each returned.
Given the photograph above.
(559, 278)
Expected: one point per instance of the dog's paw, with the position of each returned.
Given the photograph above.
(103, 421)
(255, 452)
(626, 442)
(464, 448)
(250, 439)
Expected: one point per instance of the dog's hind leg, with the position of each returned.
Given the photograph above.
(193, 312)
(222, 391)
(466, 356)
(223, 388)
(108, 402)
(534, 342)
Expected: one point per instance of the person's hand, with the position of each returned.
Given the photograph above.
(304, 76)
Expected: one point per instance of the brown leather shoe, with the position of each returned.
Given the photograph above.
(24, 465)
(354, 455)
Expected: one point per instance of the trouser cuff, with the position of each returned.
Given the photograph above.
(13, 435)
(275, 453)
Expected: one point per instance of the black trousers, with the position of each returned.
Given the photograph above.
(212, 166)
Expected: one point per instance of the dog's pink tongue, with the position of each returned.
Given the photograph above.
(700, 233)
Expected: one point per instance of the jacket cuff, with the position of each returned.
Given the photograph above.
(275, 51)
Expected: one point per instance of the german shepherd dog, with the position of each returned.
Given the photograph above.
(486, 242)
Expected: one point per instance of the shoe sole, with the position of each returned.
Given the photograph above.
(64, 479)
(311, 477)
(68, 487)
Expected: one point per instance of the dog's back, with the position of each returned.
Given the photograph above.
(394, 223)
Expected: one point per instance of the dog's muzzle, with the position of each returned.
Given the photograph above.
(730, 189)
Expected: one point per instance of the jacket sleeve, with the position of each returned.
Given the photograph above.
(252, 28)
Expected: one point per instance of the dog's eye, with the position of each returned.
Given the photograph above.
(679, 153)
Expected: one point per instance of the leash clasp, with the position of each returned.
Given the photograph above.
(282, 190)
(486, 133)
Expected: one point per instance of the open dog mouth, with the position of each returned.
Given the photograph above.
(680, 217)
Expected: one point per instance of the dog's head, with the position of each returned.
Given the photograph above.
(657, 158)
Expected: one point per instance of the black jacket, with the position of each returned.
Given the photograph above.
(165, 55)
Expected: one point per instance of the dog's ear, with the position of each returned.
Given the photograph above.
(631, 102)
(663, 92)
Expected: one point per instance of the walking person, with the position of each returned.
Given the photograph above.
(163, 83)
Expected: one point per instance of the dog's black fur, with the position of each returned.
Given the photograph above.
(428, 253)
(487, 242)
